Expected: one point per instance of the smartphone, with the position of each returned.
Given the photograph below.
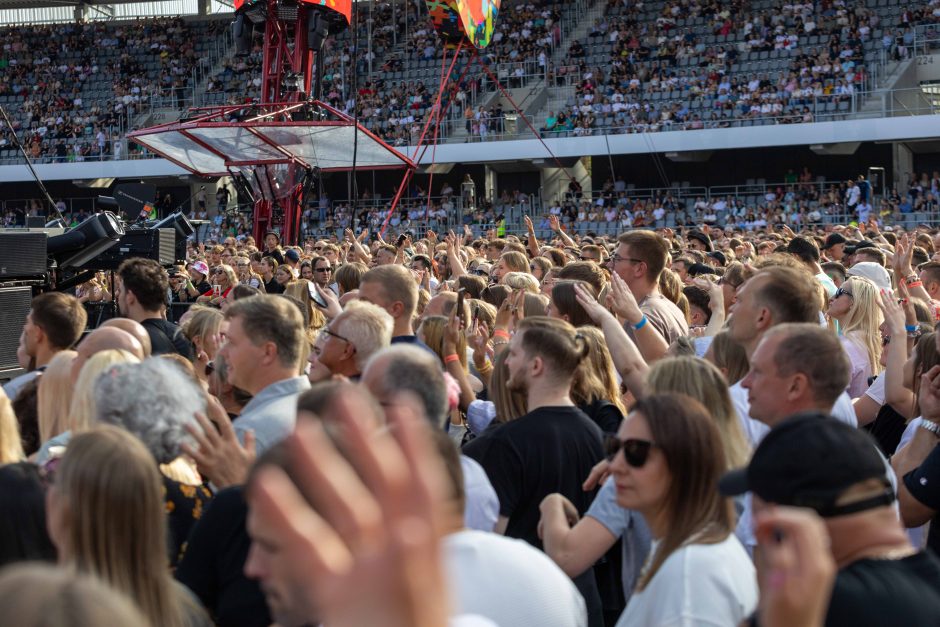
(216, 290)
(461, 313)
(315, 296)
(475, 320)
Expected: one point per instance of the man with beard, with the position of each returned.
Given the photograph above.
(551, 448)
(141, 294)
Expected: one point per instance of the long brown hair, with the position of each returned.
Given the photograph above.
(116, 524)
(694, 453)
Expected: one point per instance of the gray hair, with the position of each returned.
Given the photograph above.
(412, 369)
(153, 400)
(368, 327)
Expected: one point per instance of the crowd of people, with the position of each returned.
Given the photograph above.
(682, 69)
(55, 76)
(669, 426)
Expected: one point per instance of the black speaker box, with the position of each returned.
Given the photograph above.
(14, 307)
(22, 254)
(156, 244)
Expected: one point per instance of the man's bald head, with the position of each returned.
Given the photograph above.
(102, 339)
(134, 328)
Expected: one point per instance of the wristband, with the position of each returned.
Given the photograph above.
(501, 333)
(642, 323)
(451, 358)
(915, 284)
(911, 328)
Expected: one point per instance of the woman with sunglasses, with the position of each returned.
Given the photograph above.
(223, 280)
(855, 307)
(666, 462)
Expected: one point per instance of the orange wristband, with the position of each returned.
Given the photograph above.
(501, 333)
(915, 284)
(451, 358)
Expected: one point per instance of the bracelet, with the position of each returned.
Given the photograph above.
(485, 369)
(449, 359)
(928, 425)
(500, 342)
(642, 323)
(911, 328)
(501, 334)
(911, 277)
(915, 284)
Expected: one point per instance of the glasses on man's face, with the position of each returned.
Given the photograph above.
(336, 335)
(635, 451)
(615, 258)
(326, 269)
(843, 292)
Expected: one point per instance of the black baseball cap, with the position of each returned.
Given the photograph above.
(833, 239)
(810, 460)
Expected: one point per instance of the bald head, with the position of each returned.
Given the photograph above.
(102, 339)
(134, 328)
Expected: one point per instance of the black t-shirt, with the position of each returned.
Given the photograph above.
(605, 415)
(551, 449)
(214, 561)
(167, 338)
(273, 287)
(924, 485)
(883, 593)
(274, 254)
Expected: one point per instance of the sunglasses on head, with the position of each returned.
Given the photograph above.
(635, 451)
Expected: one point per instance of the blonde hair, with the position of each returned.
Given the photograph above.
(11, 447)
(602, 364)
(41, 595)
(54, 396)
(702, 381)
(108, 470)
(521, 281)
(202, 324)
(83, 409)
(863, 320)
(432, 330)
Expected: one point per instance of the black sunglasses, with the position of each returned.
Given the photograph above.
(210, 368)
(842, 291)
(636, 452)
(327, 269)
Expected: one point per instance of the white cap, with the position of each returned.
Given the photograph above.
(872, 271)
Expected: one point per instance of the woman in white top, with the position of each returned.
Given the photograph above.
(669, 457)
(855, 306)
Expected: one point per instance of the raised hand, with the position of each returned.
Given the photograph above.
(797, 569)
(528, 224)
(716, 296)
(622, 302)
(218, 454)
(893, 314)
(362, 523)
(590, 305)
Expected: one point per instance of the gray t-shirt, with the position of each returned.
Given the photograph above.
(627, 525)
(665, 317)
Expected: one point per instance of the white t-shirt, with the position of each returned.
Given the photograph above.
(509, 582)
(698, 585)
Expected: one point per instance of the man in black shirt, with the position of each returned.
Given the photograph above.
(551, 448)
(817, 462)
(141, 294)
